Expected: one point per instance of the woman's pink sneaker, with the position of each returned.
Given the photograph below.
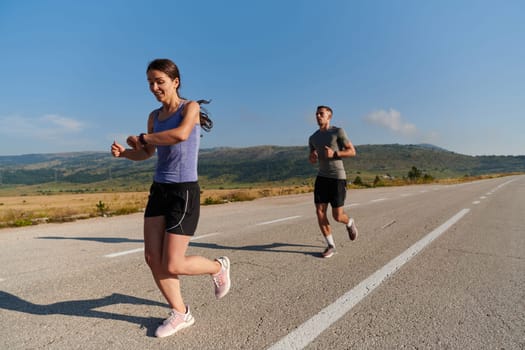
(174, 323)
(221, 280)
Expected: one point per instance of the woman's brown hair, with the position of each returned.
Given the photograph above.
(168, 67)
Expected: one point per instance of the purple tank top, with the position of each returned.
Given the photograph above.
(176, 163)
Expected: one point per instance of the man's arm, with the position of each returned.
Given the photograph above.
(313, 156)
(349, 150)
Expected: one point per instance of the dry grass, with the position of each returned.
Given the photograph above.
(26, 210)
(237, 195)
(29, 210)
(34, 209)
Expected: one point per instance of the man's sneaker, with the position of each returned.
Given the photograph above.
(352, 229)
(328, 252)
(174, 323)
(222, 278)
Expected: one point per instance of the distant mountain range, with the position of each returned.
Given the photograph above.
(251, 165)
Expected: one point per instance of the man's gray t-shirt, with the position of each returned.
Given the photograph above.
(335, 138)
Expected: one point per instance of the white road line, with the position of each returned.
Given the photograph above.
(351, 205)
(476, 202)
(205, 236)
(378, 200)
(501, 185)
(114, 255)
(2, 279)
(278, 220)
(482, 197)
(309, 330)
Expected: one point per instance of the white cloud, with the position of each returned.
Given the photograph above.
(392, 121)
(63, 124)
(44, 127)
(44, 134)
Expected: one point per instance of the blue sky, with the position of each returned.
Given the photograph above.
(449, 73)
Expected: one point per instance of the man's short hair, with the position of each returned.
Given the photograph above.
(327, 108)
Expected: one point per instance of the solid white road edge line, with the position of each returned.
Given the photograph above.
(278, 220)
(114, 255)
(309, 330)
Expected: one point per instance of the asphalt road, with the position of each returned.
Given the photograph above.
(434, 267)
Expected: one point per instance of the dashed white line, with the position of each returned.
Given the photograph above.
(351, 205)
(476, 202)
(309, 330)
(114, 255)
(378, 200)
(278, 220)
(138, 250)
(2, 279)
(194, 238)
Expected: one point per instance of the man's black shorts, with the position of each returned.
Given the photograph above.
(331, 191)
(179, 203)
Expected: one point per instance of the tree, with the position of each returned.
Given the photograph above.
(377, 181)
(414, 174)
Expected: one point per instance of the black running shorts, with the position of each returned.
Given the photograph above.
(179, 203)
(329, 190)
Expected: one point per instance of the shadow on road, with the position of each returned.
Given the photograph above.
(271, 247)
(97, 239)
(84, 308)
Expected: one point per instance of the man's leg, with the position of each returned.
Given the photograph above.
(324, 225)
(342, 217)
(322, 219)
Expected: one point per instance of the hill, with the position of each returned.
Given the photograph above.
(246, 166)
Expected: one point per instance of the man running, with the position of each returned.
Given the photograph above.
(328, 146)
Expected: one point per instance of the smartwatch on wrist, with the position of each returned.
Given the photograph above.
(142, 140)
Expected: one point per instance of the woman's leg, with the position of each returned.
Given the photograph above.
(154, 237)
(166, 256)
(177, 263)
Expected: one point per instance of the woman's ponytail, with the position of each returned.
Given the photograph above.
(206, 122)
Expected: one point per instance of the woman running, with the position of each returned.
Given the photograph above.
(172, 211)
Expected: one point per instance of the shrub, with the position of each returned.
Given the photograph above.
(22, 222)
(378, 182)
(102, 208)
(210, 201)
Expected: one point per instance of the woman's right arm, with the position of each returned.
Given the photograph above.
(137, 152)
